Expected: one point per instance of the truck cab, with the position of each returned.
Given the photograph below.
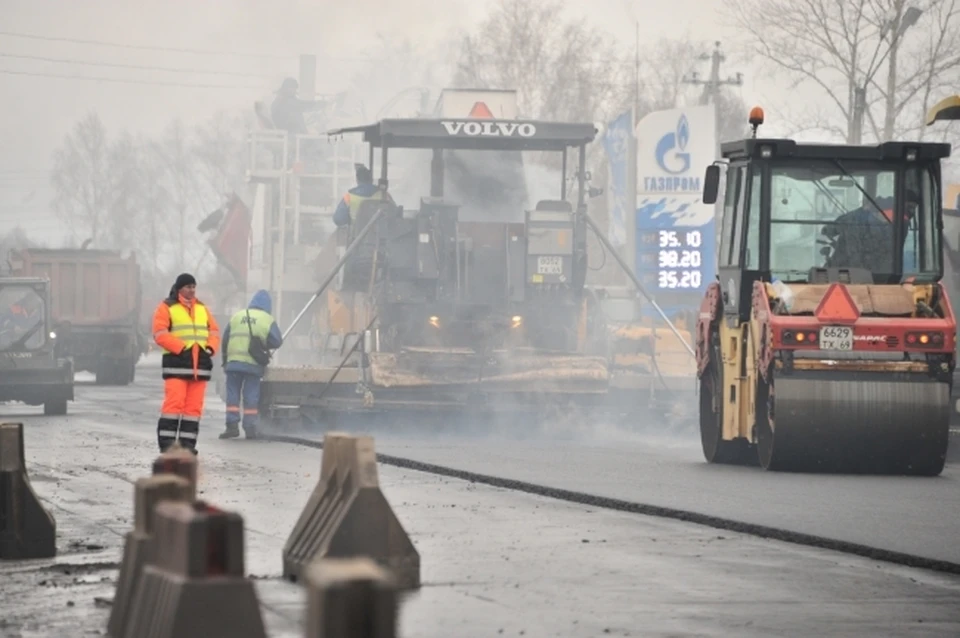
(32, 369)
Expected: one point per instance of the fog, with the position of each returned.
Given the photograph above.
(256, 42)
(141, 65)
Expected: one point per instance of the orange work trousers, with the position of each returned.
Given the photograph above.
(181, 411)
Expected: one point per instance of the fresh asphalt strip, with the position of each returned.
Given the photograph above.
(762, 531)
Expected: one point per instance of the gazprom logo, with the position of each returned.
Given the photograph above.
(674, 159)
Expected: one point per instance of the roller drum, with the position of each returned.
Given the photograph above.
(858, 423)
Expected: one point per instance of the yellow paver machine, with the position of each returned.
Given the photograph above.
(471, 303)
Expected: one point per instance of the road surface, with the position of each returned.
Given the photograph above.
(494, 562)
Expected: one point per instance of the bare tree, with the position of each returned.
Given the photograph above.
(154, 234)
(562, 68)
(81, 180)
(175, 153)
(123, 212)
(838, 48)
(219, 146)
(399, 76)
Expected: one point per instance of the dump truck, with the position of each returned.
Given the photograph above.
(33, 367)
(96, 301)
(828, 342)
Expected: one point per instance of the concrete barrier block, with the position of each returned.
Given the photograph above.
(180, 462)
(347, 516)
(350, 598)
(27, 530)
(138, 548)
(196, 585)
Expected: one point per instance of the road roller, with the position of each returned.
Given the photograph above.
(827, 343)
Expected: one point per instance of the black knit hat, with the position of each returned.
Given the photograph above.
(364, 174)
(184, 279)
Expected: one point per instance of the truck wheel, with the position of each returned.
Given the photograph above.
(106, 373)
(55, 408)
(124, 372)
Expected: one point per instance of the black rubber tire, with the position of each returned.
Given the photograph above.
(765, 437)
(124, 372)
(106, 373)
(55, 408)
(715, 449)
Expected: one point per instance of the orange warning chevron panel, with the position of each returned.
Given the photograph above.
(481, 110)
(837, 306)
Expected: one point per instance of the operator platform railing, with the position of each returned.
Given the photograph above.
(268, 153)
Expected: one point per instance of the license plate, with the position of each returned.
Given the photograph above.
(549, 265)
(836, 338)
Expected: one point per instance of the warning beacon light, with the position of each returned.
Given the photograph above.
(756, 118)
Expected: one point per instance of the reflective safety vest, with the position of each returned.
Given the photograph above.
(355, 201)
(190, 330)
(238, 347)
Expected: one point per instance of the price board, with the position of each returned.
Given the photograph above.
(675, 259)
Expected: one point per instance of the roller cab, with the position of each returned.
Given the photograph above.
(828, 342)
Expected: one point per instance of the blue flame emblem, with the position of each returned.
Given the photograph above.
(683, 133)
(670, 150)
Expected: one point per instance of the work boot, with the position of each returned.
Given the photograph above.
(251, 432)
(231, 432)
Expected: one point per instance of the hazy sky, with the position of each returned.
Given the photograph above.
(265, 37)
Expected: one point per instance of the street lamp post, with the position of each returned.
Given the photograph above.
(899, 24)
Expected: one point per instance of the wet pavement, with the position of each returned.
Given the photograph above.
(494, 562)
(913, 515)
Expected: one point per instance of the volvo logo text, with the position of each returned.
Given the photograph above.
(490, 129)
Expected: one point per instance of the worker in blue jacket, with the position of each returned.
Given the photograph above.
(365, 190)
(242, 370)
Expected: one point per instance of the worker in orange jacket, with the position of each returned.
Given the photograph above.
(189, 337)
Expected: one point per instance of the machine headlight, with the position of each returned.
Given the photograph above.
(53, 335)
(435, 321)
(515, 321)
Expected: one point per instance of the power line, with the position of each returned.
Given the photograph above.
(127, 81)
(146, 47)
(142, 47)
(132, 66)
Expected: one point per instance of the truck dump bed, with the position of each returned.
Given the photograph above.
(96, 301)
(89, 287)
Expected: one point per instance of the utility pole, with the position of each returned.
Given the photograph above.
(711, 86)
(711, 94)
(903, 18)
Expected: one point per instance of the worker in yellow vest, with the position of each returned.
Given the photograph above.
(351, 201)
(247, 341)
(189, 337)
